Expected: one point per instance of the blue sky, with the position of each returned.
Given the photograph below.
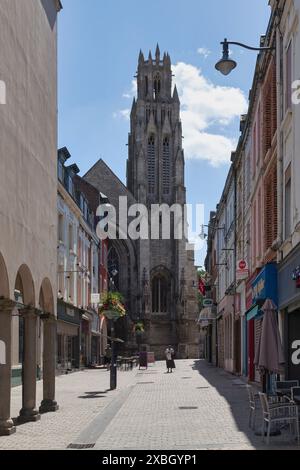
(99, 42)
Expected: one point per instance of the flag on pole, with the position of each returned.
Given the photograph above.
(202, 288)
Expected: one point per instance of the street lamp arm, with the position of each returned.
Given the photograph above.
(226, 64)
(270, 48)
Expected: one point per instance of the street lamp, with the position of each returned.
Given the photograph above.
(203, 236)
(113, 365)
(113, 272)
(227, 65)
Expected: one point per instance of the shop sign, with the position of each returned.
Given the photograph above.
(70, 312)
(259, 289)
(265, 284)
(207, 302)
(242, 270)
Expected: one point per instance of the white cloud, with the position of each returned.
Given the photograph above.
(122, 113)
(125, 113)
(132, 92)
(204, 105)
(204, 51)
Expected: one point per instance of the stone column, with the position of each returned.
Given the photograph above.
(29, 367)
(49, 364)
(6, 424)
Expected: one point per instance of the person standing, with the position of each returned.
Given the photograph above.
(169, 353)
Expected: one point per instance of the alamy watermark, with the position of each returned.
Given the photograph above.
(2, 92)
(159, 222)
(296, 92)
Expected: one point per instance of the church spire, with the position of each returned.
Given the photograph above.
(157, 54)
(175, 95)
(133, 105)
(141, 58)
(150, 57)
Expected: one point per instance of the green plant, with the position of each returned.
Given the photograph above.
(112, 302)
(139, 327)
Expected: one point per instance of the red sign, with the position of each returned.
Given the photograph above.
(242, 271)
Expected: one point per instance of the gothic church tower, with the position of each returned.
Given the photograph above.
(155, 175)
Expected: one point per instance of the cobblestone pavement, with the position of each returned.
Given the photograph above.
(156, 414)
(81, 397)
(195, 407)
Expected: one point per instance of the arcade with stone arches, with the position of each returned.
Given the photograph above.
(27, 343)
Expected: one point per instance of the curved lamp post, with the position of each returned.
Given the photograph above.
(227, 65)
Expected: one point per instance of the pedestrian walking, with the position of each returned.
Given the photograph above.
(143, 359)
(169, 353)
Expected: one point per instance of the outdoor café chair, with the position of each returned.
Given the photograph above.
(284, 387)
(295, 392)
(253, 397)
(278, 413)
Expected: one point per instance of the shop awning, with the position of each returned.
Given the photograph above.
(255, 311)
(252, 313)
(85, 317)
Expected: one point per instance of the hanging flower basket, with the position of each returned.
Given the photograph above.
(139, 328)
(112, 306)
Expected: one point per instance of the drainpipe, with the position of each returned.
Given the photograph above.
(280, 179)
(279, 75)
(235, 261)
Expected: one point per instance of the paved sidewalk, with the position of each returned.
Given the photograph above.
(81, 397)
(195, 407)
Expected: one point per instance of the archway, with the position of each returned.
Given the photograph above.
(6, 307)
(27, 332)
(24, 286)
(4, 284)
(24, 294)
(46, 299)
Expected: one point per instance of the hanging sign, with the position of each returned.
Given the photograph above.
(242, 270)
(207, 302)
(95, 299)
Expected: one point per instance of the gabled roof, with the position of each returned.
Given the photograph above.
(105, 181)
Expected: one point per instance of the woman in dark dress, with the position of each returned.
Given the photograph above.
(169, 353)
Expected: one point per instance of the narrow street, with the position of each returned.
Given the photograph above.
(196, 407)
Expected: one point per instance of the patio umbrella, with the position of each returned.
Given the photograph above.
(269, 355)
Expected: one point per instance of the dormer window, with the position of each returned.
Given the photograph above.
(70, 184)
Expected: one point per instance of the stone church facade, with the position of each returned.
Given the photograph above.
(162, 276)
